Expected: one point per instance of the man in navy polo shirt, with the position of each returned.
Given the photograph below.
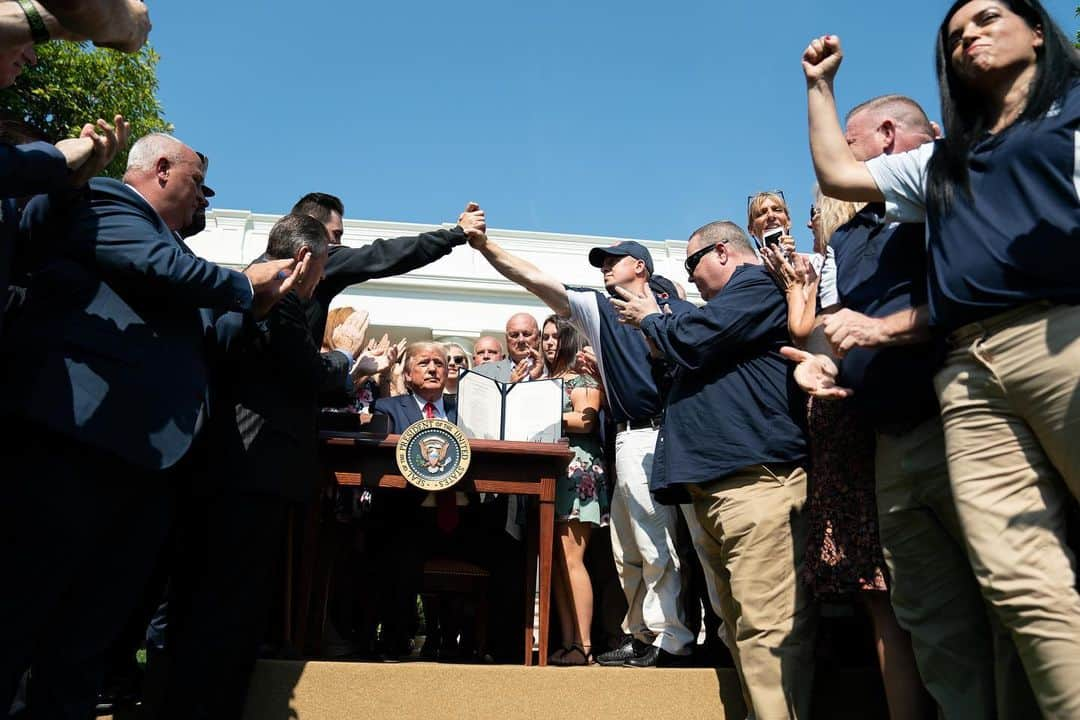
(732, 446)
(883, 337)
(643, 532)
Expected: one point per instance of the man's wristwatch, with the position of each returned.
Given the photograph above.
(38, 32)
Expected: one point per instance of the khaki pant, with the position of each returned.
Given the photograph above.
(1010, 402)
(754, 540)
(966, 659)
(643, 546)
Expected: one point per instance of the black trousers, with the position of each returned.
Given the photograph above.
(80, 532)
(220, 595)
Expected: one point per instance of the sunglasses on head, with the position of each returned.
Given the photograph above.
(750, 198)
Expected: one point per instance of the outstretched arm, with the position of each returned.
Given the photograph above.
(838, 172)
(524, 273)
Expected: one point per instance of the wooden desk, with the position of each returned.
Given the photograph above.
(497, 466)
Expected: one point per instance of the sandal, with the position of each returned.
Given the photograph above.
(577, 656)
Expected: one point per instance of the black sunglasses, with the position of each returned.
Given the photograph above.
(456, 359)
(691, 261)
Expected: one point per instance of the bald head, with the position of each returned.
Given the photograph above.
(170, 175)
(725, 232)
(887, 124)
(522, 334)
(487, 349)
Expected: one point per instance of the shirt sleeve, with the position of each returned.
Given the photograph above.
(901, 178)
(828, 295)
(585, 314)
(748, 310)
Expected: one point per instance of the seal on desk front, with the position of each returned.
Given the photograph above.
(433, 454)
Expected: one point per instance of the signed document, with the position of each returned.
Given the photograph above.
(492, 410)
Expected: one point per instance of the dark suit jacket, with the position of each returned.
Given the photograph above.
(24, 170)
(383, 258)
(110, 347)
(271, 382)
(403, 411)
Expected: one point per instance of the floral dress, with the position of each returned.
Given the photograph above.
(582, 494)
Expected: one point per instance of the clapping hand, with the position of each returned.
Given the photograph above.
(633, 308)
(349, 336)
(822, 59)
(531, 366)
(791, 271)
(816, 374)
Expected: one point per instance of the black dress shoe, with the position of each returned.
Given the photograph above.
(630, 648)
(655, 657)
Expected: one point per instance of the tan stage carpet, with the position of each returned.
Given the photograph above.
(433, 691)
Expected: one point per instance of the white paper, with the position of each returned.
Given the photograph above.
(479, 408)
(534, 411)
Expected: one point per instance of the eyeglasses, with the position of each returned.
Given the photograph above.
(691, 262)
(750, 198)
(456, 359)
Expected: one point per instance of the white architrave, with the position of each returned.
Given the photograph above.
(458, 295)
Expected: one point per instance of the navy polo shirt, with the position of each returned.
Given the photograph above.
(733, 402)
(881, 270)
(1014, 240)
(630, 392)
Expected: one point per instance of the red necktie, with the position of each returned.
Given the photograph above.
(446, 514)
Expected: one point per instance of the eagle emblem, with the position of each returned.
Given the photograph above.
(433, 454)
(435, 449)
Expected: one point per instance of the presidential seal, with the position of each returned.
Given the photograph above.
(433, 454)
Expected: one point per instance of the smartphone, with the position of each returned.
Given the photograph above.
(772, 237)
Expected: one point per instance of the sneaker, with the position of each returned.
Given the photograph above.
(630, 648)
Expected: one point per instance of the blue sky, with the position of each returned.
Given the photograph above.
(627, 118)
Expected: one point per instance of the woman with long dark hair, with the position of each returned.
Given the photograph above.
(999, 197)
(581, 496)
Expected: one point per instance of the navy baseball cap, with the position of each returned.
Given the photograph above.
(626, 247)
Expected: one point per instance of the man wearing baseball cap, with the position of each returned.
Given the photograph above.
(643, 532)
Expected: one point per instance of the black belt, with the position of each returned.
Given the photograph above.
(653, 423)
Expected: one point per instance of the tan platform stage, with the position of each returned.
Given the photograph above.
(433, 691)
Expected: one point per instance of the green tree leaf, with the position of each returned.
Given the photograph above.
(74, 84)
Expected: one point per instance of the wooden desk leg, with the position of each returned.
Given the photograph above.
(532, 539)
(547, 543)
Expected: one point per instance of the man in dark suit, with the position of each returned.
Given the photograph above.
(382, 258)
(105, 395)
(266, 446)
(424, 521)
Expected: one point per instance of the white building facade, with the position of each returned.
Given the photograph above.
(459, 296)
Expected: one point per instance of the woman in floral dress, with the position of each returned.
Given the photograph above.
(581, 496)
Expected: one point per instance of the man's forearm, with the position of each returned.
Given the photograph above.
(907, 327)
(528, 276)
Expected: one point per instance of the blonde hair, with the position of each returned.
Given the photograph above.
(758, 200)
(832, 213)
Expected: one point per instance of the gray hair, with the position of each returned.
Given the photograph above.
(145, 152)
(724, 231)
